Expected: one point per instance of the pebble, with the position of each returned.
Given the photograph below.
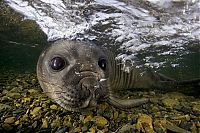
(41, 114)
(160, 126)
(4, 107)
(53, 107)
(15, 89)
(13, 95)
(61, 130)
(196, 108)
(84, 128)
(17, 122)
(35, 124)
(5, 99)
(92, 129)
(127, 129)
(67, 122)
(45, 123)
(36, 111)
(5, 92)
(7, 127)
(33, 91)
(88, 119)
(55, 123)
(194, 128)
(145, 124)
(115, 115)
(182, 118)
(168, 102)
(26, 100)
(10, 120)
(100, 121)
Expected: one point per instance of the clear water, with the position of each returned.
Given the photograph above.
(18, 57)
(164, 35)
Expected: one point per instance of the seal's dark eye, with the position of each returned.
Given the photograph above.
(102, 63)
(57, 63)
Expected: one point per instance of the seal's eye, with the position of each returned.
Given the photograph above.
(102, 63)
(57, 63)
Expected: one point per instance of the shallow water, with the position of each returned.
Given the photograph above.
(164, 35)
(21, 42)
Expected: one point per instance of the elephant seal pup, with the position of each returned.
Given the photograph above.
(77, 76)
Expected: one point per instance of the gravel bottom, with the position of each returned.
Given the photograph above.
(24, 108)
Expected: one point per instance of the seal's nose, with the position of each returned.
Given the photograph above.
(90, 84)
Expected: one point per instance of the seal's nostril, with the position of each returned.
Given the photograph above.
(85, 92)
(85, 86)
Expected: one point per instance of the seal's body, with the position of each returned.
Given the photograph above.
(78, 75)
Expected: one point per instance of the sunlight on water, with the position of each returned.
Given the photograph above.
(148, 33)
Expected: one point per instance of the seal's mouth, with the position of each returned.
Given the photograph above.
(86, 94)
(91, 91)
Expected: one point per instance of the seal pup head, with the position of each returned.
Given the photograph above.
(74, 74)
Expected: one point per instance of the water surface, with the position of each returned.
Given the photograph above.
(163, 35)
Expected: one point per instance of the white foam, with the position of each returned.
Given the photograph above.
(135, 28)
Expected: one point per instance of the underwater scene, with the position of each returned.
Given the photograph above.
(100, 66)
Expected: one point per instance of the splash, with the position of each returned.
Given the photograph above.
(143, 30)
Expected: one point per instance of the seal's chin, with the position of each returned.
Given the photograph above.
(89, 103)
(83, 96)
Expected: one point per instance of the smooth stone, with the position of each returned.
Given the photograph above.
(100, 121)
(182, 118)
(84, 128)
(33, 91)
(53, 107)
(196, 108)
(35, 124)
(26, 100)
(15, 89)
(55, 123)
(9, 120)
(88, 118)
(160, 126)
(67, 122)
(5, 99)
(115, 115)
(4, 92)
(92, 129)
(13, 95)
(128, 128)
(17, 122)
(61, 130)
(7, 127)
(168, 102)
(36, 111)
(145, 124)
(45, 123)
(4, 107)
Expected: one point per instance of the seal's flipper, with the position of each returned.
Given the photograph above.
(127, 103)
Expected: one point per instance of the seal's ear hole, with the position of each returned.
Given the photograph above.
(102, 63)
(58, 63)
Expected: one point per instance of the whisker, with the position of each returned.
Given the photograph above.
(52, 84)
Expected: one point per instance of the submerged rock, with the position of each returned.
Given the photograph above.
(100, 121)
(127, 129)
(37, 112)
(4, 107)
(10, 120)
(13, 95)
(145, 124)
